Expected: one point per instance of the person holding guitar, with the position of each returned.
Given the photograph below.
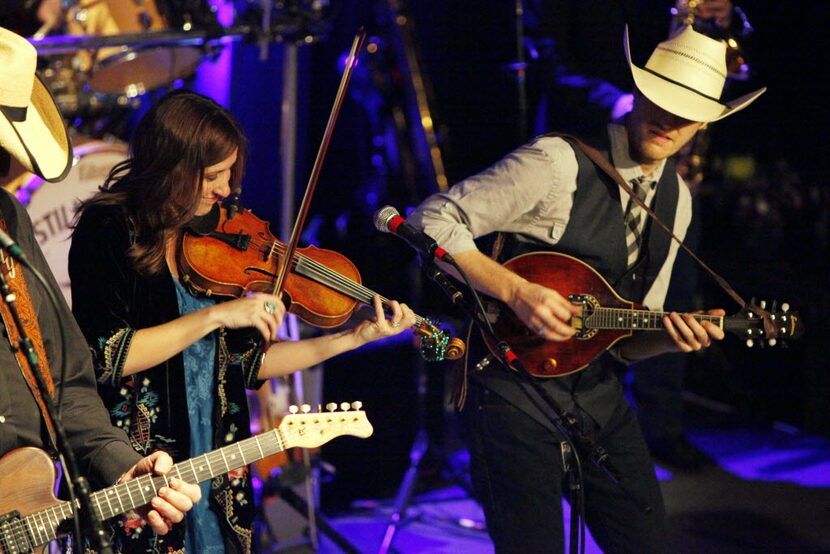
(550, 195)
(173, 366)
(32, 133)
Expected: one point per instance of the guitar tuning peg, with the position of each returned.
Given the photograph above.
(293, 409)
(331, 406)
(357, 404)
(305, 408)
(345, 406)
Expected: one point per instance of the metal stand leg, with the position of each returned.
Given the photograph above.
(404, 496)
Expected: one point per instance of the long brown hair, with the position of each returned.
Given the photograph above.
(159, 186)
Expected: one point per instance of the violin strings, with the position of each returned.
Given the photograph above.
(326, 276)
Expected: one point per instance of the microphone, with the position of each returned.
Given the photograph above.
(389, 220)
(9, 245)
(233, 202)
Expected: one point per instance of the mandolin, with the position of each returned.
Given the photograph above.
(32, 516)
(605, 318)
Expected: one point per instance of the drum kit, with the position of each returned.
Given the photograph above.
(101, 60)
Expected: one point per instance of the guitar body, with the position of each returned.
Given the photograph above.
(570, 277)
(27, 479)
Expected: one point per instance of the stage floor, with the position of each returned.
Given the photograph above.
(770, 492)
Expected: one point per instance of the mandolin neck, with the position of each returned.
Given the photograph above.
(643, 320)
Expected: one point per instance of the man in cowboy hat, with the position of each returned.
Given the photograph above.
(32, 131)
(549, 195)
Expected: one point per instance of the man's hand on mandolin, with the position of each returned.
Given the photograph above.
(683, 334)
(688, 334)
(544, 310)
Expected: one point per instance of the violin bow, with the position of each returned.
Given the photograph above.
(291, 245)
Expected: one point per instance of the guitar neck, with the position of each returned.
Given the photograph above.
(43, 525)
(638, 320)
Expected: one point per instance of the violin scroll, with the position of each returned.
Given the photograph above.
(435, 344)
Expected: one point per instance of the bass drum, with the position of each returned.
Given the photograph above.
(52, 205)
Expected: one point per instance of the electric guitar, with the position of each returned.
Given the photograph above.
(605, 318)
(32, 514)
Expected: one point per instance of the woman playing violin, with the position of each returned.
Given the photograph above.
(172, 367)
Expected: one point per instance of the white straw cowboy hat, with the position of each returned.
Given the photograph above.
(31, 127)
(685, 76)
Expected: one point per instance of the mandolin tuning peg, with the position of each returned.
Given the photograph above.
(293, 409)
(772, 341)
(785, 307)
(345, 406)
(774, 306)
(357, 404)
(305, 408)
(762, 304)
(750, 343)
(331, 406)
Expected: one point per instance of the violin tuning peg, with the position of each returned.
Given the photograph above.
(345, 406)
(305, 408)
(357, 404)
(293, 409)
(331, 406)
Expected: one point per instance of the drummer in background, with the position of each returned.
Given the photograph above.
(172, 367)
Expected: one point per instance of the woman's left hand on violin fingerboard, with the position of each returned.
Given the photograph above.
(401, 319)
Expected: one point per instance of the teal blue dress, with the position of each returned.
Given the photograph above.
(203, 532)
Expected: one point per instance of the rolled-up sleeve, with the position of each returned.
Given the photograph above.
(522, 192)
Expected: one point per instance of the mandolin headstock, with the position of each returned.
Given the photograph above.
(749, 326)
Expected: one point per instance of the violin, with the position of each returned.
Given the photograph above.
(232, 255)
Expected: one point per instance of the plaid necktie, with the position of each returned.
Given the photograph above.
(634, 217)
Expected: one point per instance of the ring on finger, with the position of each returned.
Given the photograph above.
(270, 307)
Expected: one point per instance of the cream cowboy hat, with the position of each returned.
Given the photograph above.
(31, 127)
(685, 76)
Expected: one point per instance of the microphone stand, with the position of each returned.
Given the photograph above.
(422, 442)
(76, 483)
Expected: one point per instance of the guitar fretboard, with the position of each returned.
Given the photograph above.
(623, 318)
(42, 527)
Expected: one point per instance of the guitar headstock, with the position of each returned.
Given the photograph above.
(308, 429)
(750, 326)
